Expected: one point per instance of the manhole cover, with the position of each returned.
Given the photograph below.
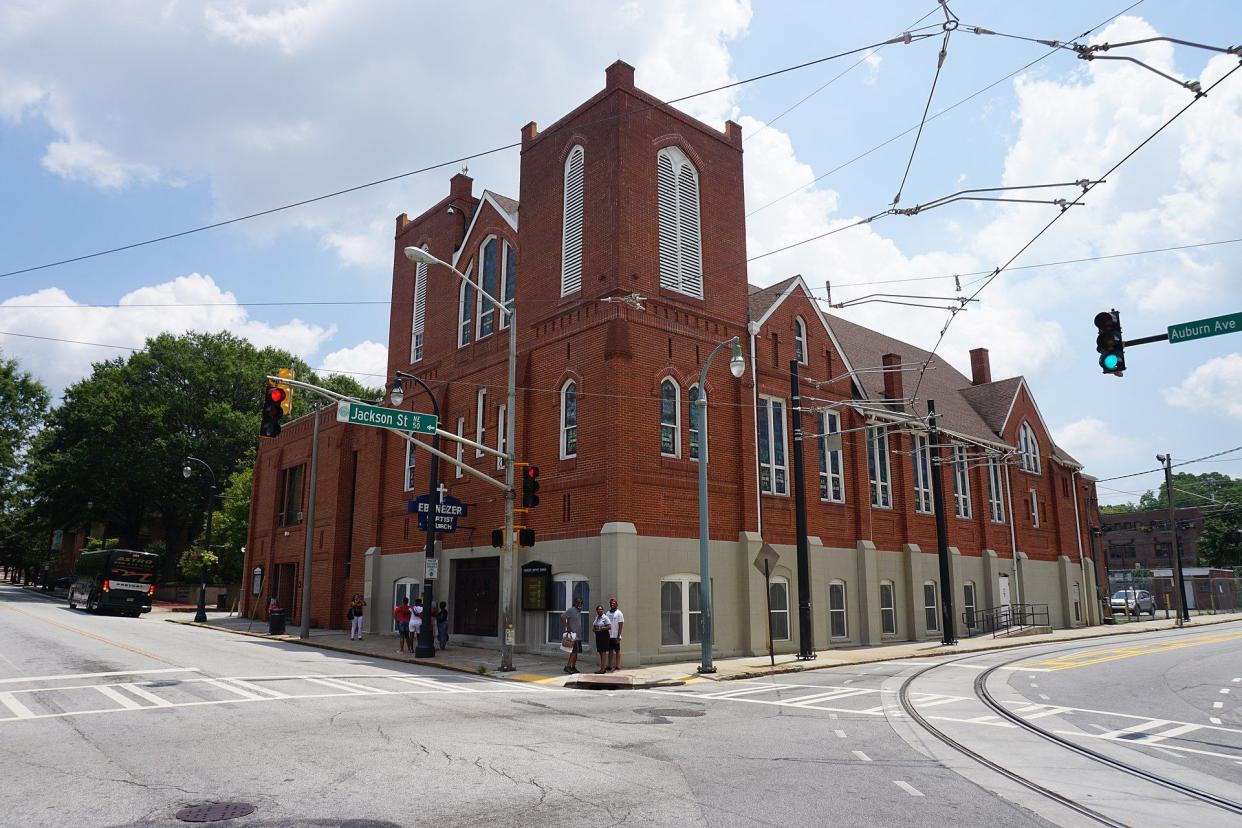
(670, 712)
(215, 811)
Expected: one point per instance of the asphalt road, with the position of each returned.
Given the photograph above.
(122, 722)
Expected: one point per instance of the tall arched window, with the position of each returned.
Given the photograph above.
(569, 420)
(420, 311)
(571, 240)
(1028, 449)
(488, 276)
(800, 340)
(677, 196)
(670, 418)
(508, 282)
(697, 417)
(465, 310)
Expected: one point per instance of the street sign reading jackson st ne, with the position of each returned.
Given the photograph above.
(1203, 328)
(373, 415)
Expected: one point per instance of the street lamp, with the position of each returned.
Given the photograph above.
(737, 366)
(425, 648)
(200, 614)
(420, 256)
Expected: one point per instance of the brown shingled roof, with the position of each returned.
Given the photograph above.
(993, 400)
(763, 298)
(943, 383)
(510, 205)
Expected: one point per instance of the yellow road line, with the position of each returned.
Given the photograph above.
(99, 638)
(1102, 656)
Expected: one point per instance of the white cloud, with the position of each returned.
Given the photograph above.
(367, 362)
(200, 305)
(1095, 444)
(1213, 387)
(272, 102)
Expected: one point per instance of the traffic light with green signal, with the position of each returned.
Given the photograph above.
(1109, 343)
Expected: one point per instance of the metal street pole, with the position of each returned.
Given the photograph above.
(304, 631)
(806, 643)
(426, 647)
(707, 631)
(942, 533)
(506, 570)
(200, 614)
(1179, 579)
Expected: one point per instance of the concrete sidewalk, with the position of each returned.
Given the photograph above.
(547, 670)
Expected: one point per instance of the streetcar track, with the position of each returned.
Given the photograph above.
(984, 696)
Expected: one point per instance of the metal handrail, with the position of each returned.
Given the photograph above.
(998, 620)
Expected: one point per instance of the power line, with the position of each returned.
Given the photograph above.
(1086, 189)
(453, 162)
(814, 291)
(931, 118)
(1175, 465)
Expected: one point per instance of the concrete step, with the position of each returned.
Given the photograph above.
(1015, 632)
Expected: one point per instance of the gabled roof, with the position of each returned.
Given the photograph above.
(506, 207)
(764, 301)
(942, 382)
(994, 400)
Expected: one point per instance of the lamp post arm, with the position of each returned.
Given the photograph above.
(203, 463)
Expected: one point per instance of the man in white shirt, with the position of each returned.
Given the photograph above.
(616, 620)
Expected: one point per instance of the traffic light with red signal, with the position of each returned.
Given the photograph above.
(530, 487)
(274, 399)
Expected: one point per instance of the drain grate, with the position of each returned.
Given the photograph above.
(670, 712)
(215, 811)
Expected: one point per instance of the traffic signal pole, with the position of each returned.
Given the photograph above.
(508, 635)
(806, 633)
(942, 533)
(1183, 609)
(304, 630)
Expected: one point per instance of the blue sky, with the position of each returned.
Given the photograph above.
(122, 124)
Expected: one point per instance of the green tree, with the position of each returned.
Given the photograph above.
(1220, 496)
(194, 563)
(23, 406)
(1117, 508)
(231, 524)
(25, 547)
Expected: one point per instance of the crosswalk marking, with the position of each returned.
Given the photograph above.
(19, 710)
(1141, 727)
(155, 700)
(348, 687)
(1170, 733)
(232, 688)
(116, 696)
(257, 689)
(907, 787)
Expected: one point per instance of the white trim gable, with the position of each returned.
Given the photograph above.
(819, 314)
(1042, 423)
(486, 198)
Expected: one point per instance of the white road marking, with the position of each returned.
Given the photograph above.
(1170, 733)
(1033, 684)
(1235, 681)
(123, 701)
(907, 787)
(356, 689)
(257, 689)
(1213, 720)
(146, 696)
(862, 756)
(840, 734)
(24, 679)
(1163, 747)
(1166, 750)
(822, 697)
(1218, 705)
(232, 688)
(428, 683)
(729, 694)
(20, 711)
(1138, 728)
(1050, 711)
(833, 716)
(1045, 698)
(1018, 669)
(937, 701)
(1224, 691)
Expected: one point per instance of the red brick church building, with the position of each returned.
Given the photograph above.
(624, 195)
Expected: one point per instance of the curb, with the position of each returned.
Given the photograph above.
(942, 650)
(289, 639)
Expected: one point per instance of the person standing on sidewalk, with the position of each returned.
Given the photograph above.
(571, 620)
(442, 630)
(601, 627)
(616, 620)
(402, 613)
(355, 617)
(416, 623)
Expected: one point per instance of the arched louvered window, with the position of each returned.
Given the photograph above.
(420, 311)
(571, 240)
(677, 195)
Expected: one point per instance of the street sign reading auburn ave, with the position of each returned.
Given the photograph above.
(1203, 328)
(373, 415)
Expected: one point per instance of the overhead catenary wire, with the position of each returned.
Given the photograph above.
(1087, 189)
(904, 37)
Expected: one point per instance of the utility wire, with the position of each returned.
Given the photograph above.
(944, 51)
(1086, 189)
(513, 145)
(944, 111)
(814, 291)
(1202, 459)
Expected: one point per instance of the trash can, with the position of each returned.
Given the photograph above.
(276, 622)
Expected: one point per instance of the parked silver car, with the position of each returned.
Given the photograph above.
(1133, 602)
